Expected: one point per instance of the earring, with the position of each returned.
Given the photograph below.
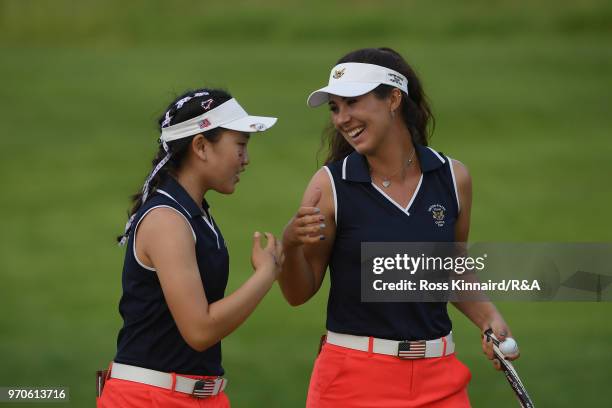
(392, 114)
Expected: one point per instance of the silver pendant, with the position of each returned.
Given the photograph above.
(386, 183)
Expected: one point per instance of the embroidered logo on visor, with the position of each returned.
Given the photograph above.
(204, 124)
(338, 73)
(396, 79)
(258, 126)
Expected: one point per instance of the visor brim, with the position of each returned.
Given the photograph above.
(344, 89)
(250, 124)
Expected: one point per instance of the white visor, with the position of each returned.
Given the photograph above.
(228, 115)
(355, 79)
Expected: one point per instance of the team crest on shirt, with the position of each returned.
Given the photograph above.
(438, 213)
(338, 73)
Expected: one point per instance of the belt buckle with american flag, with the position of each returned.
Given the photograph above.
(203, 388)
(410, 350)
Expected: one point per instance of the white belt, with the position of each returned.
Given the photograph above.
(407, 350)
(201, 388)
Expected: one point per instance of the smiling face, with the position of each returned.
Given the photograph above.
(363, 120)
(227, 158)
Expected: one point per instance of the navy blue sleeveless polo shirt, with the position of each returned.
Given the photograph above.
(365, 214)
(149, 337)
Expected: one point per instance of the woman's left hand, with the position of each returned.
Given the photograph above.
(502, 332)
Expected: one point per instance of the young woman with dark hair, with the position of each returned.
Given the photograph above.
(380, 183)
(176, 266)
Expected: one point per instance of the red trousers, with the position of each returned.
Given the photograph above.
(129, 394)
(350, 378)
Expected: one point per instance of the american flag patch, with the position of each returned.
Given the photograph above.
(203, 388)
(408, 350)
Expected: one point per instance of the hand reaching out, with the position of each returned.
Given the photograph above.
(269, 257)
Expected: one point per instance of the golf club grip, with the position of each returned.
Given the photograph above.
(490, 335)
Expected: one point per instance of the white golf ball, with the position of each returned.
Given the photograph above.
(508, 347)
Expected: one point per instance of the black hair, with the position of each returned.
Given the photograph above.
(415, 108)
(187, 106)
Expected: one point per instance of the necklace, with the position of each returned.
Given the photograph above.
(386, 182)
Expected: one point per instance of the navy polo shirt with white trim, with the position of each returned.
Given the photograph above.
(364, 213)
(149, 337)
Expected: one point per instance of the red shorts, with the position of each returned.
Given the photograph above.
(121, 393)
(344, 377)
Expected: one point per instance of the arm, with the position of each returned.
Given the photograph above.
(306, 253)
(483, 314)
(165, 240)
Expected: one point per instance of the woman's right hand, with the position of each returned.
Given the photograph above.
(307, 226)
(270, 257)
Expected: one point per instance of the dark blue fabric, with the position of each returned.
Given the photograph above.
(365, 215)
(149, 337)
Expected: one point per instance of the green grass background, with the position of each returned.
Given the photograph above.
(520, 89)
